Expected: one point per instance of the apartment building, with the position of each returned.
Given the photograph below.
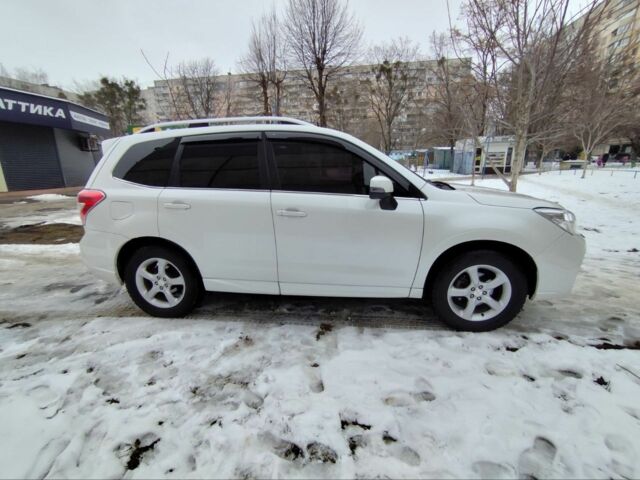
(619, 29)
(349, 105)
(618, 41)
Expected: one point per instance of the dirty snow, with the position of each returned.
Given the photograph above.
(30, 249)
(48, 197)
(45, 209)
(46, 218)
(257, 386)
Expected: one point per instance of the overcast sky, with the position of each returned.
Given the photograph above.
(80, 40)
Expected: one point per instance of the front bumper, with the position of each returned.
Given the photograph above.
(559, 265)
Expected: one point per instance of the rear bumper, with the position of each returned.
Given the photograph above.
(99, 253)
(559, 265)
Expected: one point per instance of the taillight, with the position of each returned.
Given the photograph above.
(87, 199)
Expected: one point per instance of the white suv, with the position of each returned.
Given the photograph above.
(278, 206)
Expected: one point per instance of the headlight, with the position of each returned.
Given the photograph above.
(563, 218)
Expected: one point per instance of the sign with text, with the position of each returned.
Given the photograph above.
(23, 107)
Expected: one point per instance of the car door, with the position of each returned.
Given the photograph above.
(331, 238)
(218, 209)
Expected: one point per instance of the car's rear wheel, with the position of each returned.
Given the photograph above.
(479, 291)
(162, 282)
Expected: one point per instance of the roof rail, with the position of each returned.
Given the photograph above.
(205, 122)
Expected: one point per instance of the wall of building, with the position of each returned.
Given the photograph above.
(619, 28)
(76, 164)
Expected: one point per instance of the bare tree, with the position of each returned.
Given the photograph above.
(537, 44)
(604, 93)
(322, 36)
(549, 132)
(390, 88)
(478, 55)
(632, 129)
(35, 75)
(255, 65)
(24, 74)
(556, 137)
(229, 95)
(276, 58)
(196, 89)
(166, 81)
(632, 132)
(343, 114)
(448, 116)
(265, 62)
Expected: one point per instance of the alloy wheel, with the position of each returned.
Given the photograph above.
(479, 292)
(160, 282)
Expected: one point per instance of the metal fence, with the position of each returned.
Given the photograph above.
(613, 168)
(596, 170)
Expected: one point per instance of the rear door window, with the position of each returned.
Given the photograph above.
(231, 164)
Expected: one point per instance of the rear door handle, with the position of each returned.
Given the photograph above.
(177, 206)
(291, 213)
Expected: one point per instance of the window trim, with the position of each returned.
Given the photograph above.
(414, 192)
(263, 172)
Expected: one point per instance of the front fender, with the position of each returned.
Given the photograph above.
(448, 225)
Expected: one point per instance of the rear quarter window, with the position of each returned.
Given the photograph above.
(148, 163)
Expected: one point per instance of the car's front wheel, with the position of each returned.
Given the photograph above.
(162, 282)
(479, 291)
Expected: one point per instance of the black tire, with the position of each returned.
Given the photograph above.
(454, 271)
(201, 297)
(186, 296)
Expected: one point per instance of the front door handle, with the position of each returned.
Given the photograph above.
(177, 206)
(291, 213)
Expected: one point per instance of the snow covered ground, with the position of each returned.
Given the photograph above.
(436, 173)
(255, 386)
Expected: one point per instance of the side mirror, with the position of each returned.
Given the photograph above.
(381, 188)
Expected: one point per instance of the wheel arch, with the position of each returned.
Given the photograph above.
(517, 254)
(133, 245)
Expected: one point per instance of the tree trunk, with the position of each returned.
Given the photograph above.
(322, 107)
(517, 161)
(265, 98)
(586, 164)
(540, 160)
(276, 110)
(387, 139)
(322, 114)
(452, 150)
(476, 145)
